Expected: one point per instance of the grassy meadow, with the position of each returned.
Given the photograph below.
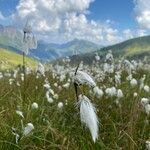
(123, 122)
(9, 59)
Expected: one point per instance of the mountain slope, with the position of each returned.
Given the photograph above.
(11, 39)
(10, 59)
(133, 48)
(81, 46)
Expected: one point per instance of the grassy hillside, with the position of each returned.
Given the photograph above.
(10, 59)
(133, 49)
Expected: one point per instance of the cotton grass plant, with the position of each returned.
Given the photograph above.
(60, 125)
(87, 110)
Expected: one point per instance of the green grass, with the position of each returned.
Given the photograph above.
(11, 60)
(122, 127)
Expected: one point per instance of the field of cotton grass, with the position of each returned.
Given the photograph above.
(102, 106)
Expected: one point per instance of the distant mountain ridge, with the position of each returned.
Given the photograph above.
(132, 49)
(11, 39)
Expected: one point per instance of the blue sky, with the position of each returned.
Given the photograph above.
(7, 7)
(100, 21)
(119, 11)
(100, 10)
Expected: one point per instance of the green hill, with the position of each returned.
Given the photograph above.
(9, 59)
(132, 49)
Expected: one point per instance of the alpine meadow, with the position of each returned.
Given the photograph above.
(74, 75)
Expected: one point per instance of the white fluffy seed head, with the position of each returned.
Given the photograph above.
(41, 69)
(60, 105)
(83, 78)
(146, 88)
(119, 93)
(147, 109)
(147, 145)
(88, 115)
(50, 100)
(135, 94)
(111, 91)
(98, 92)
(55, 84)
(144, 101)
(20, 113)
(28, 129)
(46, 85)
(66, 85)
(97, 58)
(34, 105)
(55, 96)
(133, 82)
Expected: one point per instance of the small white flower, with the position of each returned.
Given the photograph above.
(148, 145)
(50, 100)
(66, 85)
(55, 84)
(60, 105)
(15, 73)
(98, 92)
(62, 78)
(18, 84)
(46, 85)
(111, 91)
(41, 69)
(144, 101)
(129, 78)
(147, 109)
(117, 78)
(15, 134)
(28, 129)
(1, 75)
(135, 94)
(11, 81)
(22, 77)
(34, 105)
(119, 93)
(97, 57)
(109, 56)
(55, 96)
(133, 82)
(146, 88)
(50, 91)
(20, 113)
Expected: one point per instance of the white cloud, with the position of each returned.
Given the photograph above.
(142, 10)
(64, 20)
(129, 34)
(141, 32)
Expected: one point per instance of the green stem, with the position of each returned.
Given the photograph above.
(24, 77)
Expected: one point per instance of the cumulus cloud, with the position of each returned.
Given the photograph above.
(129, 34)
(64, 20)
(142, 10)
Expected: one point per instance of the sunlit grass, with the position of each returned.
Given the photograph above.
(10, 59)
